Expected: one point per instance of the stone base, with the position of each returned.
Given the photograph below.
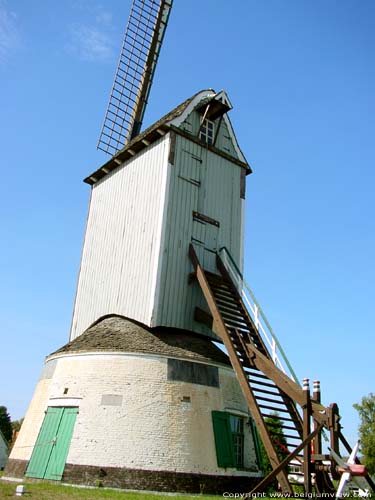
(137, 479)
(15, 468)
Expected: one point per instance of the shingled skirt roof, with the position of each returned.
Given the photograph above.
(116, 333)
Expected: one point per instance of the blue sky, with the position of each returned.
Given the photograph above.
(300, 74)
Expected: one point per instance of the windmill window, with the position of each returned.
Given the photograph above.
(207, 131)
(193, 373)
(238, 438)
(229, 439)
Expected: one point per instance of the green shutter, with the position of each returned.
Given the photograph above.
(256, 440)
(52, 445)
(223, 439)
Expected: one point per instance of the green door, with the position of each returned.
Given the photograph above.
(52, 446)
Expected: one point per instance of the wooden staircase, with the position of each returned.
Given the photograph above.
(266, 388)
(242, 331)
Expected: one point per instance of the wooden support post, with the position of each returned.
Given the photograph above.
(334, 432)
(322, 479)
(318, 438)
(306, 432)
(334, 427)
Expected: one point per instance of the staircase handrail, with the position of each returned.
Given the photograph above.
(258, 314)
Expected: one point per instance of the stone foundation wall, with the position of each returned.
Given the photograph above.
(137, 479)
(133, 415)
(15, 468)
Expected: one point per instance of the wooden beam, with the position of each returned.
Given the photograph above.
(334, 429)
(203, 317)
(306, 433)
(259, 487)
(286, 384)
(317, 398)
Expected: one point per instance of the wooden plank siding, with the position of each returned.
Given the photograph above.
(223, 141)
(122, 242)
(203, 182)
(140, 225)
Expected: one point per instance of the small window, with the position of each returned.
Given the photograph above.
(194, 373)
(207, 131)
(238, 438)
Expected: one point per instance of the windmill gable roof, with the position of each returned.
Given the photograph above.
(173, 121)
(118, 334)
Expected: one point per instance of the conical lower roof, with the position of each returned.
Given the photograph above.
(116, 333)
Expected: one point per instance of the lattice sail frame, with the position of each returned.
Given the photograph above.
(135, 70)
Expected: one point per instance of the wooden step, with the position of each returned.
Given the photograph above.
(282, 419)
(226, 301)
(270, 400)
(264, 391)
(282, 410)
(232, 309)
(265, 384)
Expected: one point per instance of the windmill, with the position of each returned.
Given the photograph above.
(141, 397)
(134, 74)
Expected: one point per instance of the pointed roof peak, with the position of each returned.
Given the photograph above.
(217, 104)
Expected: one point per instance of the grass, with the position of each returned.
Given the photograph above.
(48, 491)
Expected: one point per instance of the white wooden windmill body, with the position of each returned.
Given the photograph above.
(144, 214)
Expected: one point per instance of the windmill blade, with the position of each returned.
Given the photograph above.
(353, 454)
(345, 477)
(139, 54)
(352, 472)
(362, 484)
(338, 459)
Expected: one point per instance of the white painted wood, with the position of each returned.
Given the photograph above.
(121, 248)
(135, 258)
(193, 104)
(214, 193)
(75, 402)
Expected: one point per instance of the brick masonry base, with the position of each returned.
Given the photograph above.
(137, 479)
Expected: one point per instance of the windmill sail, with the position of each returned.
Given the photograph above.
(139, 55)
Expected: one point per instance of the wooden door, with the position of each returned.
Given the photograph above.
(53, 442)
